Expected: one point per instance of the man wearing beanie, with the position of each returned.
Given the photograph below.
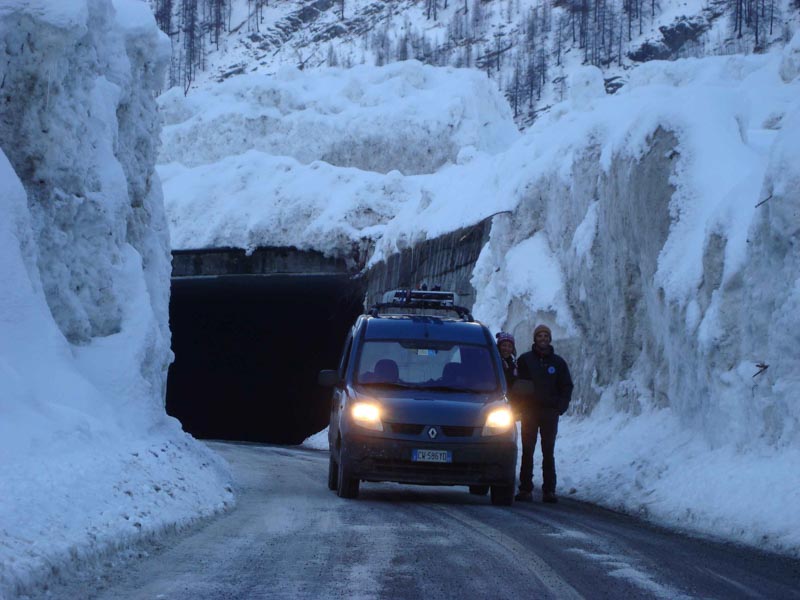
(539, 409)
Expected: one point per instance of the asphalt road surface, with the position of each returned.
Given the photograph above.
(290, 537)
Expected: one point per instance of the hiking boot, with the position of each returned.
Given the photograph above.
(523, 496)
(549, 497)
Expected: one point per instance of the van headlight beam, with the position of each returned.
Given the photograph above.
(498, 421)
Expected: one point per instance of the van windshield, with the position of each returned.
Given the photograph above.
(425, 364)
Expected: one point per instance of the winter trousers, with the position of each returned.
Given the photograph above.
(544, 423)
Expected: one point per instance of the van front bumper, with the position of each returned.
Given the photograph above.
(481, 461)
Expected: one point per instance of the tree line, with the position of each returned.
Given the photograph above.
(195, 26)
(522, 46)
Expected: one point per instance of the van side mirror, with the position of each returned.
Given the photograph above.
(328, 378)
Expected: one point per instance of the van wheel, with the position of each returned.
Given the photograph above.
(479, 490)
(502, 495)
(333, 474)
(347, 485)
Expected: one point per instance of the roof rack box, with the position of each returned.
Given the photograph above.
(445, 298)
(406, 300)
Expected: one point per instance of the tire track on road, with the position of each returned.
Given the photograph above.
(555, 585)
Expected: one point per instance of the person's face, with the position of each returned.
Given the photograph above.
(506, 348)
(542, 340)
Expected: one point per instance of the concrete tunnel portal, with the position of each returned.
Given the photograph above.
(250, 333)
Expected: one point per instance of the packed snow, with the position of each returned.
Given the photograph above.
(321, 160)
(89, 462)
(652, 229)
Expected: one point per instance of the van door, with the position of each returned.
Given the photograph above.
(336, 397)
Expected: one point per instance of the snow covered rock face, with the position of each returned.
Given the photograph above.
(88, 458)
(402, 117)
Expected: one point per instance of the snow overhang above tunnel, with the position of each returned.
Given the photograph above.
(320, 160)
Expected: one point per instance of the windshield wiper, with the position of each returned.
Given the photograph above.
(391, 384)
(449, 388)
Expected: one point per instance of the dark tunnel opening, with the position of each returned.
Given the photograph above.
(248, 350)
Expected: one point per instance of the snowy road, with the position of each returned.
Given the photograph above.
(290, 537)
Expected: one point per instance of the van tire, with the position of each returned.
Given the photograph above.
(333, 474)
(347, 485)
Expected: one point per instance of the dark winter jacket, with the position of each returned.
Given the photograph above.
(552, 383)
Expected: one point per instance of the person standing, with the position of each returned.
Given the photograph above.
(540, 407)
(508, 354)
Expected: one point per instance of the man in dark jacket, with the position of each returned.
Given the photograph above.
(539, 407)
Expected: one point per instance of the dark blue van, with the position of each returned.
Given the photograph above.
(420, 398)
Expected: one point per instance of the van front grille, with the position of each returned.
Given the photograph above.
(416, 429)
(455, 431)
(406, 428)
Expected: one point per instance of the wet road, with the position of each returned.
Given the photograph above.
(290, 537)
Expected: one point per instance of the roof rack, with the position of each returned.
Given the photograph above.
(421, 299)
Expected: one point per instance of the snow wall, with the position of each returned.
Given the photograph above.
(662, 246)
(655, 230)
(88, 458)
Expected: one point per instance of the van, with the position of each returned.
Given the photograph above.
(420, 398)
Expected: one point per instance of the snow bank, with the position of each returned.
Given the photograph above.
(407, 116)
(254, 199)
(88, 458)
(317, 159)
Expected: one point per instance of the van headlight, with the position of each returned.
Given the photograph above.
(367, 415)
(498, 421)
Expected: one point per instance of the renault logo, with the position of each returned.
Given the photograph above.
(432, 433)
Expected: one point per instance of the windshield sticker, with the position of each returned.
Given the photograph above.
(426, 352)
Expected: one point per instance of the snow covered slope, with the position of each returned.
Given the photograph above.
(528, 48)
(89, 461)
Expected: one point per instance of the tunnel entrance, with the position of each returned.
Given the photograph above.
(248, 349)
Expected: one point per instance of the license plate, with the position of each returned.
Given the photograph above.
(440, 456)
